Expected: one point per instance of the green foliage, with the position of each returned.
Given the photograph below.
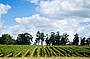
(88, 41)
(40, 36)
(24, 39)
(6, 39)
(83, 41)
(76, 39)
(64, 39)
(52, 39)
(57, 38)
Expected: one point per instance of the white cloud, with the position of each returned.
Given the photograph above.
(88, 1)
(40, 22)
(4, 8)
(72, 5)
(34, 1)
(18, 29)
(64, 8)
(85, 20)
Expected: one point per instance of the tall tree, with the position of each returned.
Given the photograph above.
(42, 38)
(83, 41)
(6, 39)
(38, 37)
(76, 39)
(24, 39)
(57, 38)
(88, 41)
(64, 39)
(47, 40)
(52, 38)
(28, 38)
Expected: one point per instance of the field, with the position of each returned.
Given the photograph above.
(46, 58)
(50, 52)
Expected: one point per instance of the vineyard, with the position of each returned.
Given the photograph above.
(43, 51)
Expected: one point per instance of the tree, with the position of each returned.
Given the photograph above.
(28, 38)
(83, 41)
(88, 41)
(38, 37)
(52, 38)
(47, 40)
(24, 39)
(57, 39)
(76, 39)
(42, 38)
(64, 39)
(6, 39)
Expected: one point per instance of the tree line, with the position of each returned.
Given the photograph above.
(52, 39)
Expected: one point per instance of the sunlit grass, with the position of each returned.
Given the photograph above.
(45, 58)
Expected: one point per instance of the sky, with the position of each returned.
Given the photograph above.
(65, 16)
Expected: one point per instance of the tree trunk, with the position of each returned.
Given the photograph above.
(41, 42)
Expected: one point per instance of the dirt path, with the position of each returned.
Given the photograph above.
(26, 53)
(53, 51)
(47, 51)
(8, 55)
(59, 51)
(33, 51)
(39, 51)
(19, 53)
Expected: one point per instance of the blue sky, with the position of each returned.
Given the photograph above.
(65, 16)
(19, 8)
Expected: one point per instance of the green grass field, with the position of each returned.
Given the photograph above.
(45, 58)
(44, 51)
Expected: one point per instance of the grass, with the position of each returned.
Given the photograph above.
(47, 51)
(45, 58)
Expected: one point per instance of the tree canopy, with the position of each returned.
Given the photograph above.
(52, 39)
